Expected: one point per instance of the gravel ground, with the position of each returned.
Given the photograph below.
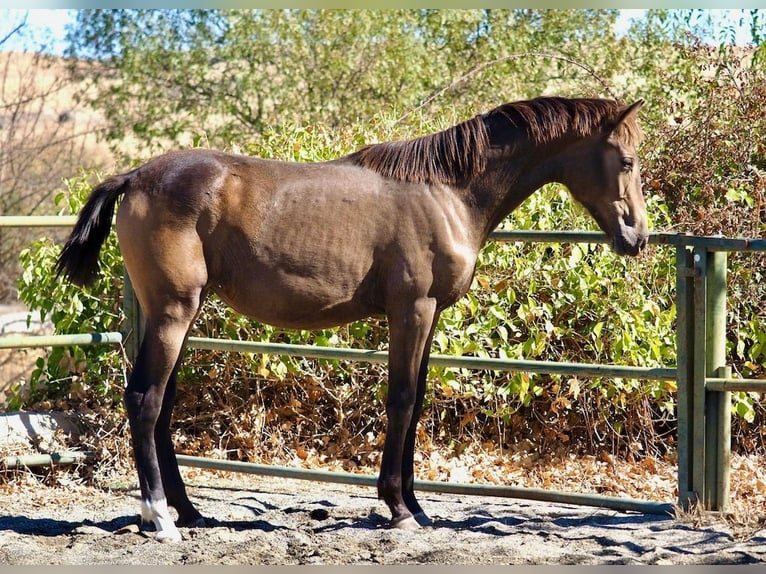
(267, 520)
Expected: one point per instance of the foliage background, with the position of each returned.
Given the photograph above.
(311, 85)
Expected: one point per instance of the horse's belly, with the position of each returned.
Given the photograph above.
(301, 301)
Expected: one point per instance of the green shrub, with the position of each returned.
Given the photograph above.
(552, 302)
(69, 372)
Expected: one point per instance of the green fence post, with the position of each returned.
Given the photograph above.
(699, 372)
(685, 375)
(717, 403)
(133, 333)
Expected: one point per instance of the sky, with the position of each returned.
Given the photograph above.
(43, 28)
(47, 28)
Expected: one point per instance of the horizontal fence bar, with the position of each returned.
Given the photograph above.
(37, 220)
(526, 493)
(338, 477)
(25, 460)
(364, 355)
(21, 341)
(539, 236)
(712, 243)
(747, 385)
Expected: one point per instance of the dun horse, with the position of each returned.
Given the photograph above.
(393, 229)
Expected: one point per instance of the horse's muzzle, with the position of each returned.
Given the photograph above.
(629, 240)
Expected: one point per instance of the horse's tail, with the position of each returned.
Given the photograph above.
(79, 257)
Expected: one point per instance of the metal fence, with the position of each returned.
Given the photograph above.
(704, 382)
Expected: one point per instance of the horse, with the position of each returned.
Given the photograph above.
(392, 229)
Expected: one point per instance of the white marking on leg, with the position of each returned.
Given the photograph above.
(157, 512)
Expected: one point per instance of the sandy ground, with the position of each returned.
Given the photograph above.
(256, 520)
(267, 520)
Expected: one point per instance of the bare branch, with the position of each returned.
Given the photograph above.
(484, 65)
(15, 30)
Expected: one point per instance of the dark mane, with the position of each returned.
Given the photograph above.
(449, 156)
(545, 119)
(460, 152)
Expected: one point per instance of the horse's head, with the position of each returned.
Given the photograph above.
(602, 173)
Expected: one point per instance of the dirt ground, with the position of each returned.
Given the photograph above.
(257, 520)
(266, 520)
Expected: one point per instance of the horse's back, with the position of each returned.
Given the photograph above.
(286, 243)
(291, 244)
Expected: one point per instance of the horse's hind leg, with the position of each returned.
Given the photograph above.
(164, 258)
(148, 389)
(173, 484)
(144, 397)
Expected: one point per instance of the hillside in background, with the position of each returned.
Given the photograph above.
(46, 134)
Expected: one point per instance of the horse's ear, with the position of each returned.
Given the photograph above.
(627, 112)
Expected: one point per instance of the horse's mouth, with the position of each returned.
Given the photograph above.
(625, 239)
(629, 241)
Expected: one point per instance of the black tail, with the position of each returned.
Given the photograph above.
(79, 258)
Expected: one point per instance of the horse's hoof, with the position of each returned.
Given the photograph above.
(408, 523)
(168, 536)
(422, 519)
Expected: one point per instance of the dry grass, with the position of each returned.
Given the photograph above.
(40, 111)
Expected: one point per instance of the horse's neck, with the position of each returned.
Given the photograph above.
(506, 183)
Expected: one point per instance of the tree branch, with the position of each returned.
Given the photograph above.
(484, 65)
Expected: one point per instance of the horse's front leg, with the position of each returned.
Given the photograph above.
(410, 326)
(408, 456)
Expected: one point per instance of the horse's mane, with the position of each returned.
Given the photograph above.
(549, 118)
(460, 152)
(449, 156)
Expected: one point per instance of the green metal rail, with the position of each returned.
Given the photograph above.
(27, 460)
(704, 381)
(463, 362)
(527, 493)
(32, 341)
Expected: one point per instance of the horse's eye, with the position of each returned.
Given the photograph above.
(627, 164)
